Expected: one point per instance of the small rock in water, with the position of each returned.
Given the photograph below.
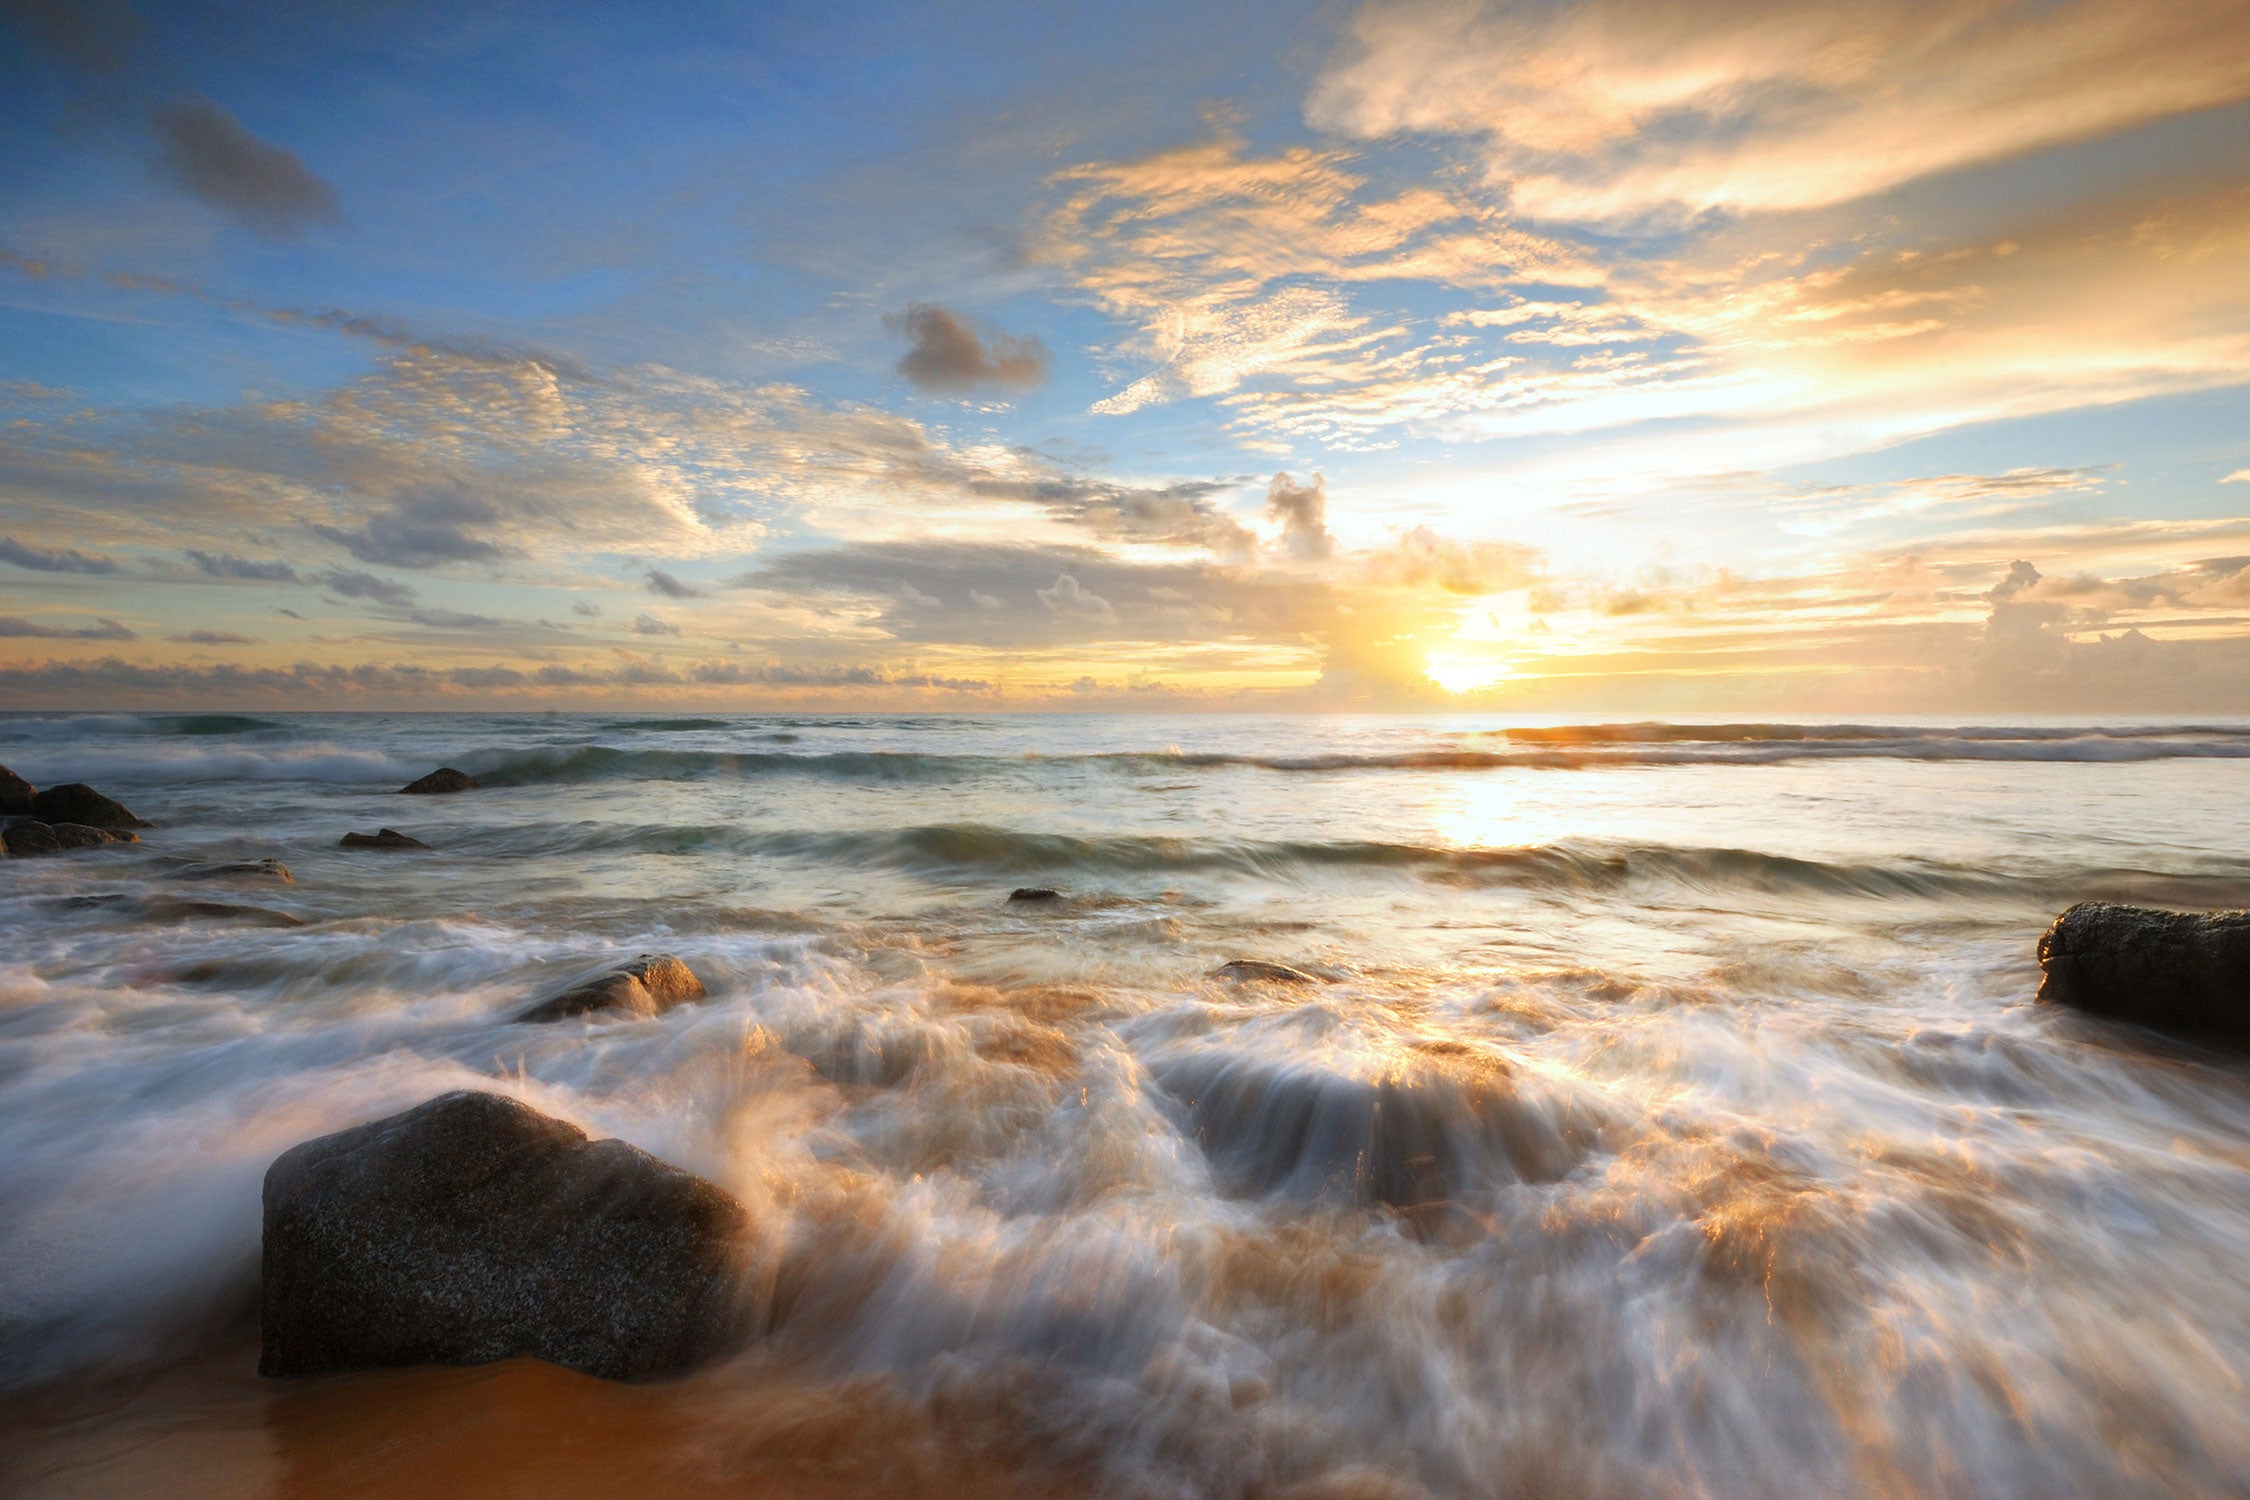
(26, 837)
(15, 794)
(246, 869)
(76, 802)
(442, 780)
(475, 1228)
(2187, 973)
(1258, 968)
(650, 984)
(1034, 893)
(382, 838)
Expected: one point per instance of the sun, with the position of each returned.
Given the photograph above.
(1462, 672)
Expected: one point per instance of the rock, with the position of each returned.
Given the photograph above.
(649, 985)
(76, 802)
(474, 1228)
(442, 780)
(1258, 968)
(382, 838)
(1034, 893)
(79, 836)
(26, 837)
(15, 794)
(2187, 973)
(237, 869)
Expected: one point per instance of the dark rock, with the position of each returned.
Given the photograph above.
(1034, 893)
(383, 838)
(437, 783)
(26, 837)
(1258, 968)
(15, 794)
(474, 1228)
(2187, 973)
(79, 836)
(650, 984)
(76, 802)
(237, 869)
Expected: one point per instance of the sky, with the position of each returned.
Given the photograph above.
(1619, 356)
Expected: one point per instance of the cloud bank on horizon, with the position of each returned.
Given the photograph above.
(1612, 355)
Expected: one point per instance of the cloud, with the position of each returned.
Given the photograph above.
(1066, 596)
(226, 565)
(586, 607)
(952, 356)
(666, 585)
(421, 531)
(266, 189)
(355, 585)
(1599, 110)
(213, 638)
(2239, 476)
(105, 630)
(1302, 510)
(64, 560)
(648, 624)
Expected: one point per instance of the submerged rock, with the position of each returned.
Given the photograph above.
(76, 802)
(1034, 893)
(475, 1228)
(1410, 1128)
(1258, 968)
(2187, 973)
(649, 985)
(15, 794)
(444, 779)
(237, 869)
(382, 838)
(79, 836)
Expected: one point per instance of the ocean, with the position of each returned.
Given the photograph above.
(1656, 1110)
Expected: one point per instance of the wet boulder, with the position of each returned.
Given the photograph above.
(79, 836)
(1033, 894)
(383, 838)
(649, 985)
(76, 802)
(475, 1228)
(2187, 973)
(26, 837)
(1258, 968)
(15, 794)
(440, 782)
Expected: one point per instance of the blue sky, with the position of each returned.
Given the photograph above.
(1617, 354)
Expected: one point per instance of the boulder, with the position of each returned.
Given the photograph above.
(650, 984)
(382, 838)
(28, 836)
(76, 802)
(1258, 968)
(237, 869)
(1029, 893)
(444, 779)
(2187, 973)
(79, 836)
(474, 1228)
(15, 794)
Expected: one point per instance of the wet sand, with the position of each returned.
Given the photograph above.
(518, 1428)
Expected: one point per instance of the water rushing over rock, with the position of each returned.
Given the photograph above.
(1643, 1110)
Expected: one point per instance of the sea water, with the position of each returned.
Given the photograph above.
(1662, 1109)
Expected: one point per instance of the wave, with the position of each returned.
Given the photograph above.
(985, 853)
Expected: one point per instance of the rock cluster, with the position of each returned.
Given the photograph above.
(474, 1228)
(440, 782)
(2186, 973)
(70, 816)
